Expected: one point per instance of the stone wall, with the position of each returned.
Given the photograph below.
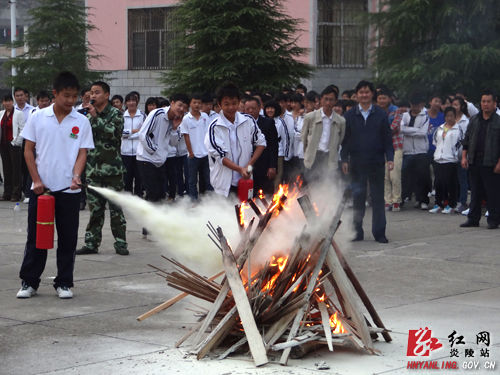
(147, 84)
(144, 81)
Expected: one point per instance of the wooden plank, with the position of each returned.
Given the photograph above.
(217, 333)
(233, 347)
(288, 345)
(211, 314)
(188, 335)
(278, 329)
(325, 320)
(328, 234)
(361, 292)
(254, 338)
(161, 307)
(307, 208)
(300, 314)
(346, 289)
(165, 305)
(242, 255)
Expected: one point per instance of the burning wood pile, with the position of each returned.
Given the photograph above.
(300, 300)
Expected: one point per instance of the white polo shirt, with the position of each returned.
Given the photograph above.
(197, 129)
(57, 145)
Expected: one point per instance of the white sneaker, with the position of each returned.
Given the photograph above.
(465, 212)
(64, 292)
(424, 206)
(26, 291)
(447, 210)
(435, 209)
(26, 200)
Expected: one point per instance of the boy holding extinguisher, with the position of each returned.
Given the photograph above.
(234, 142)
(61, 137)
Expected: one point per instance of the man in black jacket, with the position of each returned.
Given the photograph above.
(264, 169)
(481, 155)
(366, 147)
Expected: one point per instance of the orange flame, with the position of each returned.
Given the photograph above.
(336, 324)
(261, 194)
(279, 262)
(282, 190)
(244, 206)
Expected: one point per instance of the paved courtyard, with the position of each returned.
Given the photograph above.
(431, 274)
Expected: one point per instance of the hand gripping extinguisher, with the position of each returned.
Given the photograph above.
(245, 187)
(45, 221)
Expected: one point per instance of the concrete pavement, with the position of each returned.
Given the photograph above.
(431, 274)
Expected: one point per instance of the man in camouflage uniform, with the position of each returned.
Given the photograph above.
(105, 169)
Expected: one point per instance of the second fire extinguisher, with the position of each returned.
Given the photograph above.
(245, 187)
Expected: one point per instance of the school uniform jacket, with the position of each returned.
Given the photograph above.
(130, 140)
(448, 149)
(156, 138)
(218, 143)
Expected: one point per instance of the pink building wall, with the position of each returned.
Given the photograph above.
(110, 17)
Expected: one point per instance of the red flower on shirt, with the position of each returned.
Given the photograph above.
(75, 130)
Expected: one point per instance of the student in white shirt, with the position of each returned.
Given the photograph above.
(21, 97)
(207, 106)
(297, 161)
(286, 117)
(132, 122)
(463, 179)
(447, 140)
(194, 127)
(61, 137)
(156, 137)
(234, 142)
(176, 164)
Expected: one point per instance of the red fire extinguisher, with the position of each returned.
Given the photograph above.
(45, 214)
(245, 187)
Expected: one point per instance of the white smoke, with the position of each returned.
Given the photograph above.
(181, 228)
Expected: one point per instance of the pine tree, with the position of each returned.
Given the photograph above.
(250, 42)
(56, 42)
(438, 46)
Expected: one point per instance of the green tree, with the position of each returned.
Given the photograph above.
(438, 46)
(250, 42)
(56, 42)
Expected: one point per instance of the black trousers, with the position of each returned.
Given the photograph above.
(361, 175)
(153, 180)
(67, 209)
(416, 177)
(446, 183)
(132, 178)
(11, 161)
(319, 170)
(484, 184)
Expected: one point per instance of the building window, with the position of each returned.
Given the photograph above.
(5, 34)
(342, 38)
(151, 33)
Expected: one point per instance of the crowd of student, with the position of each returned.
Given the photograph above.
(385, 150)
(427, 136)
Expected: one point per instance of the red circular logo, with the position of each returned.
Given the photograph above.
(75, 130)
